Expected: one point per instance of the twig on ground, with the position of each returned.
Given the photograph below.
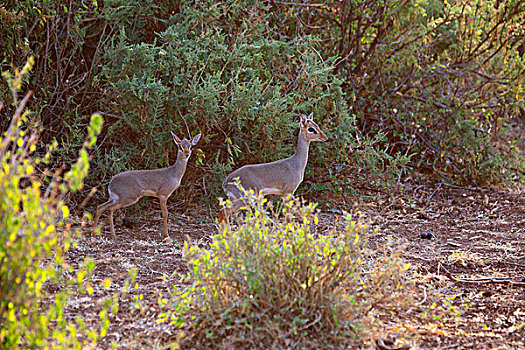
(294, 4)
(512, 263)
(424, 298)
(485, 280)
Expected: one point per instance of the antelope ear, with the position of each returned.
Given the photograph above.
(195, 139)
(304, 118)
(175, 138)
(311, 116)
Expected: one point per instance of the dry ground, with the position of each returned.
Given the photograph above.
(477, 252)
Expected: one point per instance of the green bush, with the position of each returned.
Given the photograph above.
(264, 284)
(220, 69)
(442, 80)
(421, 85)
(35, 236)
(68, 40)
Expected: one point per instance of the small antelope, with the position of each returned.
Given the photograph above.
(128, 187)
(281, 177)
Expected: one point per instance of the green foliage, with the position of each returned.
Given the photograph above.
(262, 283)
(442, 80)
(430, 85)
(218, 69)
(67, 39)
(139, 19)
(35, 236)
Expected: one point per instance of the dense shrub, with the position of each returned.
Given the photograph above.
(217, 69)
(222, 69)
(442, 80)
(264, 284)
(400, 85)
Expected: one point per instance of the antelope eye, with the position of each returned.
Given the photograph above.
(312, 130)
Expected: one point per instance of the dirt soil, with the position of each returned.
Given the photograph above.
(477, 252)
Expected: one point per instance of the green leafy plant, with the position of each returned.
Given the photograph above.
(441, 80)
(228, 78)
(400, 86)
(264, 283)
(35, 236)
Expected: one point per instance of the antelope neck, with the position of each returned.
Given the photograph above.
(301, 153)
(180, 166)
